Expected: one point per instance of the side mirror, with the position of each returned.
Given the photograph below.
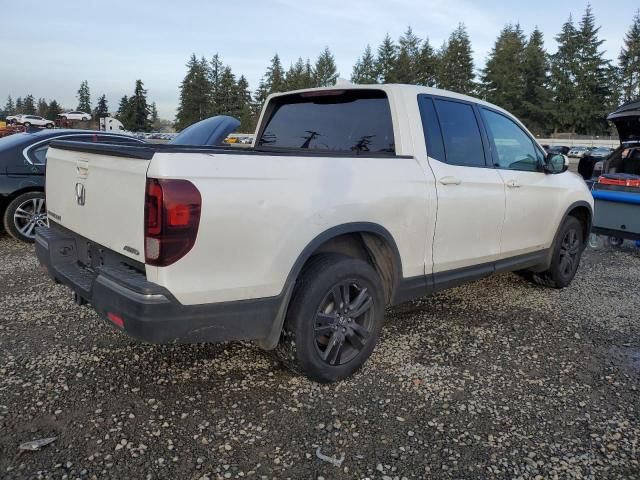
(556, 163)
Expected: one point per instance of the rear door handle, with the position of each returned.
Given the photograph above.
(513, 184)
(450, 181)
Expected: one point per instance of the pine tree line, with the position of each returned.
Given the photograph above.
(134, 112)
(210, 88)
(569, 91)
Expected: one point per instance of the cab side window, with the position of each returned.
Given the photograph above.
(460, 133)
(513, 147)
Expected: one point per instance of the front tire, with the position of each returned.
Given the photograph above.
(26, 124)
(567, 251)
(334, 318)
(24, 214)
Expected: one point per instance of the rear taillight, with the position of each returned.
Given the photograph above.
(172, 217)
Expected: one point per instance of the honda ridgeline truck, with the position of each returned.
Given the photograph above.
(351, 198)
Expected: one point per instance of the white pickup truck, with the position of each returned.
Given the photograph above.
(350, 199)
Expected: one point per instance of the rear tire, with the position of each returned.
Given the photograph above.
(334, 318)
(567, 251)
(26, 124)
(24, 214)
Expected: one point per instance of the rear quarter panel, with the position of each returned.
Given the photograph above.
(260, 211)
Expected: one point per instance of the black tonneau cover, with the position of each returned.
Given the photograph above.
(146, 152)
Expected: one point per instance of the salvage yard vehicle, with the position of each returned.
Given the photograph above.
(616, 189)
(75, 116)
(22, 168)
(352, 198)
(35, 121)
(578, 152)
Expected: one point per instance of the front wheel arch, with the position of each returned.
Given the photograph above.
(583, 211)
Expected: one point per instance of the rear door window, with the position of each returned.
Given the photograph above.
(355, 121)
(431, 128)
(461, 133)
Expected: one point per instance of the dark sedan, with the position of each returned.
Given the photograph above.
(22, 168)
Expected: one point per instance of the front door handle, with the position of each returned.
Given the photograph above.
(450, 181)
(513, 184)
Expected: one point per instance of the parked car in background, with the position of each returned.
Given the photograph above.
(12, 119)
(353, 198)
(35, 121)
(601, 152)
(577, 152)
(561, 149)
(75, 115)
(22, 168)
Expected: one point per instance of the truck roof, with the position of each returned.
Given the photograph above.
(394, 89)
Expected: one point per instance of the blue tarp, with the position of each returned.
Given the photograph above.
(615, 196)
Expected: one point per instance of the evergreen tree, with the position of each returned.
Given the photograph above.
(629, 61)
(386, 60)
(296, 77)
(29, 105)
(125, 113)
(275, 76)
(455, 63)
(274, 80)
(309, 74)
(84, 97)
(227, 93)
(406, 67)
(427, 65)
(244, 112)
(54, 110)
(217, 103)
(259, 97)
(536, 99)
(195, 94)
(102, 108)
(140, 109)
(9, 107)
(19, 106)
(325, 69)
(593, 78)
(503, 81)
(42, 107)
(364, 71)
(564, 66)
(154, 114)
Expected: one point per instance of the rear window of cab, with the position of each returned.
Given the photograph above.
(346, 121)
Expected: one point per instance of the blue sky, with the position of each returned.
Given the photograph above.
(49, 47)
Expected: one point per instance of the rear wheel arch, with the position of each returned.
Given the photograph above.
(370, 242)
(362, 240)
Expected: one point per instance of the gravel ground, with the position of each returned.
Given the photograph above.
(495, 379)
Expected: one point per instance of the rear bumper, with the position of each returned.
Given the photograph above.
(149, 312)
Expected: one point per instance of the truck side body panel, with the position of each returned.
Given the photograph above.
(260, 212)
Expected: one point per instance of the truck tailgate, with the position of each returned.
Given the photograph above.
(99, 195)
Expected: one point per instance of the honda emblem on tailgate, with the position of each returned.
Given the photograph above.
(80, 194)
